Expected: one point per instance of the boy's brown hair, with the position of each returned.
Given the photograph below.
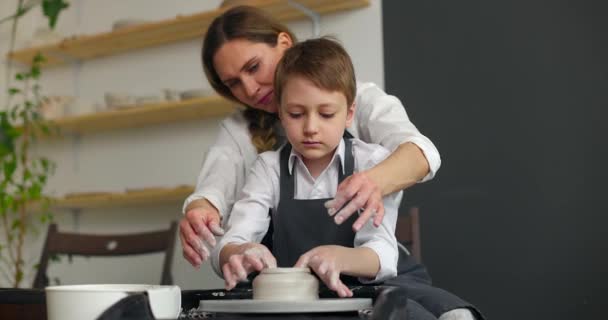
(322, 61)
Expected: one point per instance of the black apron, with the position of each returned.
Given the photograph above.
(299, 225)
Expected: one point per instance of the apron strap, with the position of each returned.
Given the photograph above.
(286, 179)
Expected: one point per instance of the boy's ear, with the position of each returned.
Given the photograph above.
(284, 40)
(350, 114)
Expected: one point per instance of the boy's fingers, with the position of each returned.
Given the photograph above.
(302, 261)
(269, 260)
(344, 291)
(334, 279)
(227, 276)
(254, 261)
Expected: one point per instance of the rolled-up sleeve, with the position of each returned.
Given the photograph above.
(382, 239)
(225, 167)
(249, 219)
(383, 242)
(382, 119)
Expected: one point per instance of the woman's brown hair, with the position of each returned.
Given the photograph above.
(244, 22)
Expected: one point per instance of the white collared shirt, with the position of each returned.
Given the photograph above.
(249, 219)
(379, 118)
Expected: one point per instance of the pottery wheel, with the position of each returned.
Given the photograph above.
(269, 306)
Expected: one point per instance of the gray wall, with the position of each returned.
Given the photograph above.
(515, 95)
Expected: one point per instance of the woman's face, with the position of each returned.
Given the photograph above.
(247, 69)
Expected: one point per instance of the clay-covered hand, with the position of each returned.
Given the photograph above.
(248, 257)
(325, 262)
(357, 191)
(197, 231)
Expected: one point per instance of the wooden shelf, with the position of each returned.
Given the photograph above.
(151, 196)
(143, 115)
(180, 28)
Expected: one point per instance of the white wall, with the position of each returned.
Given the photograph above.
(156, 156)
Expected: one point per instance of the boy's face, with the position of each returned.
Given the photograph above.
(314, 119)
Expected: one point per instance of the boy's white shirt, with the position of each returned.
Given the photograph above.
(249, 220)
(379, 118)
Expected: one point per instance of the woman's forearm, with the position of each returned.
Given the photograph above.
(402, 169)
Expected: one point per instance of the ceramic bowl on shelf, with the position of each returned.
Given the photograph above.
(148, 99)
(116, 100)
(53, 107)
(128, 22)
(43, 36)
(195, 93)
(171, 95)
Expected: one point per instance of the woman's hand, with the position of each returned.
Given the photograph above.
(244, 259)
(197, 231)
(360, 191)
(325, 262)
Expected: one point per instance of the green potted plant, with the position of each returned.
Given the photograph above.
(23, 176)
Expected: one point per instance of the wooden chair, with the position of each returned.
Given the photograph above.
(107, 245)
(408, 232)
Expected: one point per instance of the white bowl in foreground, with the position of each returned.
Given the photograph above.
(78, 302)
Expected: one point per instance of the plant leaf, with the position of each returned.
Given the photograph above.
(52, 8)
(34, 191)
(18, 276)
(16, 224)
(38, 58)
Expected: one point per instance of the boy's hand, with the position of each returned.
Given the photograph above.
(249, 257)
(326, 263)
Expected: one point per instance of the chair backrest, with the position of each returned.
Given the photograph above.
(107, 245)
(407, 232)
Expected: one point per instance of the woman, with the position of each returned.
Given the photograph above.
(240, 52)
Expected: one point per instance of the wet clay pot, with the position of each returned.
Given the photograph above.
(286, 284)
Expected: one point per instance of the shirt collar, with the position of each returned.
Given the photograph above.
(338, 154)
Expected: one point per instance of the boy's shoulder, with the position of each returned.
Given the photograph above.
(368, 155)
(271, 158)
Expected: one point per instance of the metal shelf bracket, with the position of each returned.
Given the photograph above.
(314, 17)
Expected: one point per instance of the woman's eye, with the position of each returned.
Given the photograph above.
(254, 68)
(231, 84)
(295, 115)
(327, 115)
